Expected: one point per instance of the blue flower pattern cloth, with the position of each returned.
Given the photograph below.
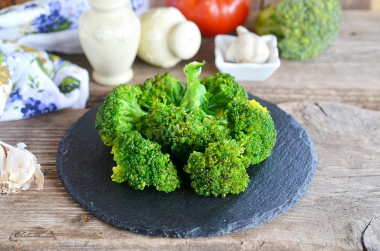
(50, 25)
(40, 82)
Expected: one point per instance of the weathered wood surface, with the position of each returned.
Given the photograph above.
(347, 72)
(339, 211)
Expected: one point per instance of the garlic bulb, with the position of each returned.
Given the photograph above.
(18, 169)
(247, 48)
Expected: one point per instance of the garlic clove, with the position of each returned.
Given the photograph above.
(247, 48)
(18, 169)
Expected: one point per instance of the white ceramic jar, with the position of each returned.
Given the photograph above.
(110, 34)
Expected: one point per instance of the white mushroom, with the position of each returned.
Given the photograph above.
(18, 169)
(247, 48)
(167, 37)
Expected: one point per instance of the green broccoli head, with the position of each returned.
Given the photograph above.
(220, 170)
(161, 88)
(223, 89)
(252, 126)
(119, 113)
(304, 28)
(141, 163)
(185, 128)
(180, 132)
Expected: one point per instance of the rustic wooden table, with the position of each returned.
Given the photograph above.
(336, 98)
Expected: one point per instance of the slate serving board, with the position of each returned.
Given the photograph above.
(85, 164)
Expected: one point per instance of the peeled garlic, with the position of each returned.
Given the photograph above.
(18, 169)
(247, 48)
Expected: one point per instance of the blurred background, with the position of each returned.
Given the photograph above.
(256, 4)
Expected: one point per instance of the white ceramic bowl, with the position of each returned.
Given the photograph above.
(246, 71)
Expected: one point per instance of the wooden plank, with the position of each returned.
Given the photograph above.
(339, 209)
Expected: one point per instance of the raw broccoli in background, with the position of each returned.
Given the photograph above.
(119, 113)
(141, 163)
(304, 28)
(208, 129)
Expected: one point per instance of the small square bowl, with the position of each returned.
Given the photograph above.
(247, 71)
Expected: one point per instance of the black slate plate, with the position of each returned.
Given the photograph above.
(84, 165)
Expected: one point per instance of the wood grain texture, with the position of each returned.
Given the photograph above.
(347, 72)
(339, 211)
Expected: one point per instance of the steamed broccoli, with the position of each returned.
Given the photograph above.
(223, 89)
(304, 28)
(185, 128)
(119, 113)
(141, 163)
(161, 88)
(210, 124)
(220, 170)
(252, 126)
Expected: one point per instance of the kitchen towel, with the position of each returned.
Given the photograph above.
(50, 25)
(34, 82)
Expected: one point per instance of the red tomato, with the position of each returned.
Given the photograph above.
(214, 16)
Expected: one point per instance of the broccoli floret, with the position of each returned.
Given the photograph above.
(119, 113)
(185, 128)
(161, 88)
(141, 163)
(220, 170)
(223, 89)
(304, 28)
(252, 126)
(180, 132)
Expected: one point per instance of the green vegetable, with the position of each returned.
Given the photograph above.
(220, 170)
(180, 132)
(252, 126)
(209, 129)
(141, 163)
(223, 89)
(161, 88)
(120, 113)
(185, 128)
(304, 28)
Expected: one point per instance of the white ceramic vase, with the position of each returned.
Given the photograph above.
(110, 34)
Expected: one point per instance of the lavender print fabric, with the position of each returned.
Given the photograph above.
(38, 82)
(50, 25)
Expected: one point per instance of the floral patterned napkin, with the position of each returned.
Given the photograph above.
(34, 82)
(50, 25)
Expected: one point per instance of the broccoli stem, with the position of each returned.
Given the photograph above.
(195, 95)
